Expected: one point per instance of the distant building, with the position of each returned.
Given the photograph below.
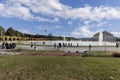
(106, 36)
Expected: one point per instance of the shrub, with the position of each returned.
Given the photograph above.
(96, 54)
(116, 54)
(18, 49)
(86, 55)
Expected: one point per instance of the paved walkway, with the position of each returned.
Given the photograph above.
(4, 51)
(72, 49)
(65, 49)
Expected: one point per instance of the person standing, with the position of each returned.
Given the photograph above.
(90, 47)
(55, 45)
(31, 44)
(35, 47)
(117, 45)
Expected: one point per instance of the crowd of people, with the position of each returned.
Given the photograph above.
(8, 45)
(59, 45)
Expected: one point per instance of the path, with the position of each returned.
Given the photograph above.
(72, 49)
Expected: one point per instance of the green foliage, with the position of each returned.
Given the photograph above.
(11, 32)
(2, 29)
(38, 36)
(97, 54)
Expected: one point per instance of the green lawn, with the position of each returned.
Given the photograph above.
(18, 67)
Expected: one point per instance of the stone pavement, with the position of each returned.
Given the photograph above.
(72, 49)
(4, 51)
(65, 49)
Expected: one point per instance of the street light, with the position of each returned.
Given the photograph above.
(105, 44)
(45, 34)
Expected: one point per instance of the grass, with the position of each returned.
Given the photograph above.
(17, 67)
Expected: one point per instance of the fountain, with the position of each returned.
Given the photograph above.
(64, 38)
(101, 38)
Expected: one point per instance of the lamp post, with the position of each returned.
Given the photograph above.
(105, 44)
(45, 34)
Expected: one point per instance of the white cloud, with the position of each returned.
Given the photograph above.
(23, 9)
(43, 27)
(53, 9)
(101, 24)
(2, 7)
(83, 31)
(96, 13)
(56, 19)
(26, 9)
(15, 10)
(57, 27)
(116, 34)
(87, 29)
(25, 31)
(87, 22)
(70, 22)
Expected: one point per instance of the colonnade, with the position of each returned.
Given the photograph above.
(14, 38)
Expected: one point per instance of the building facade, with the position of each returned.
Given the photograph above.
(106, 36)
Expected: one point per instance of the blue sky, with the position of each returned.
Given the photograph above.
(77, 18)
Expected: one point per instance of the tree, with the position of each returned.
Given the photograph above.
(11, 32)
(2, 30)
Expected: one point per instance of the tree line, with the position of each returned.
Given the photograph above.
(12, 32)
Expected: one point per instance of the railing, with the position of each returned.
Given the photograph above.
(74, 43)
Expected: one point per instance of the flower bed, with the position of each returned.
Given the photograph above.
(51, 54)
